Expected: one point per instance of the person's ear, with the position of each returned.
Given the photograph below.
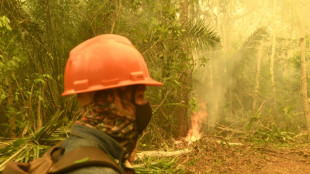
(139, 95)
(85, 98)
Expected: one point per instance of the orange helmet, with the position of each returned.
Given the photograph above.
(104, 62)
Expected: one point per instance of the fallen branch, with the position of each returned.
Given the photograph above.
(228, 129)
(159, 154)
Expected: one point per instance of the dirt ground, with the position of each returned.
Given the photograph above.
(219, 157)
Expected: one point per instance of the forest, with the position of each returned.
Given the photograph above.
(235, 94)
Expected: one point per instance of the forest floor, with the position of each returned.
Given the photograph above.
(208, 156)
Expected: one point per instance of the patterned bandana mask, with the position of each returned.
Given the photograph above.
(111, 113)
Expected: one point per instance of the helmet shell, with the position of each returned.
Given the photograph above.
(104, 62)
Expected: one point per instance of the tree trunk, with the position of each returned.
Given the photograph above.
(304, 72)
(273, 52)
(183, 93)
(257, 78)
(272, 63)
(211, 75)
(184, 13)
(304, 81)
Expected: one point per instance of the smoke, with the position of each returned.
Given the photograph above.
(213, 82)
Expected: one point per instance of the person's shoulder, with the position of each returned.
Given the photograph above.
(94, 170)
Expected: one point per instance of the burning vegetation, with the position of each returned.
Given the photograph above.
(194, 133)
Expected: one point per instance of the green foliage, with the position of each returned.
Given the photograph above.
(199, 35)
(250, 46)
(279, 108)
(21, 150)
(168, 47)
(262, 128)
(28, 148)
(164, 165)
(37, 38)
(32, 61)
(5, 23)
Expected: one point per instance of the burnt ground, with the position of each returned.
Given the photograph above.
(220, 157)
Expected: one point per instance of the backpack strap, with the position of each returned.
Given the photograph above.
(54, 161)
(16, 168)
(83, 157)
(43, 164)
(37, 166)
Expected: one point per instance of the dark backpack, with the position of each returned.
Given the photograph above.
(75, 159)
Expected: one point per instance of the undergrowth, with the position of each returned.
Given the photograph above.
(159, 165)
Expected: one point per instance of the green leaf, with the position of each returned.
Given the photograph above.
(19, 142)
(3, 96)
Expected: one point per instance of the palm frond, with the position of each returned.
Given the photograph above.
(199, 35)
(250, 46)
(50, 126)
(196, 35)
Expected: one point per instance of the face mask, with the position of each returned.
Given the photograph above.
(143, 112)
(143, 116)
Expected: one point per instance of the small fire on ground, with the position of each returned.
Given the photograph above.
(194, 133)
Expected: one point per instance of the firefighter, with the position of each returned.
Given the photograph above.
(109, 76)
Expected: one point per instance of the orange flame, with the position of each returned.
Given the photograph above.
(194, 133)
